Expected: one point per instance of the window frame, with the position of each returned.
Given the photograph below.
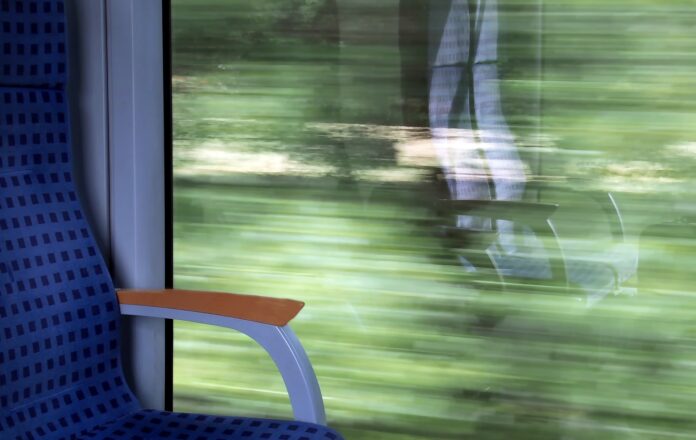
(121, 119)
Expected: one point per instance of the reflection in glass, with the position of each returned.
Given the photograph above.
(487, 205)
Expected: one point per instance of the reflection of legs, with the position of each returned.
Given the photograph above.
(506, 167)
(459, 154)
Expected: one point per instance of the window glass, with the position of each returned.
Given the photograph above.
(487, 206)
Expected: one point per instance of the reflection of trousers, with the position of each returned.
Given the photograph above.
(472, 138)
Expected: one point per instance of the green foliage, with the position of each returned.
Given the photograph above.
(279, 103)
(232, 29)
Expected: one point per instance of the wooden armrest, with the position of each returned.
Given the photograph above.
(273, 311)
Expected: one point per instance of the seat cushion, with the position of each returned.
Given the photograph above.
(151, 425)
(60, 368)
(595, 273)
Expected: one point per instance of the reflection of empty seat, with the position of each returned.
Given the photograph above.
(539, 254)
(596, 275)
(60, 366)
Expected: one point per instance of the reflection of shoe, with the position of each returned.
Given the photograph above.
(466, 264)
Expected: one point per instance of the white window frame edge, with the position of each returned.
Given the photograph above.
(116, 97)
(134, 53)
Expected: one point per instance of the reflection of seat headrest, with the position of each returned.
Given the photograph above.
(32, 43)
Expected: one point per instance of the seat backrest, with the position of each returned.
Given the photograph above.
(60, 371)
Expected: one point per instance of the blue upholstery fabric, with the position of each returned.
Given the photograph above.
(149, 424)
(32, 43)
(59, 319)
(60, 368)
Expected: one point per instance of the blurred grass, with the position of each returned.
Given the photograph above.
(289, 183)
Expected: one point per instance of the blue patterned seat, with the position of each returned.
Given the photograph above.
(60, 367)
(149, 424)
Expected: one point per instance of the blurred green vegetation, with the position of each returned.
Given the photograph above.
(297, 176)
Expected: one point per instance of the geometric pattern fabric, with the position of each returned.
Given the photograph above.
(147, 424)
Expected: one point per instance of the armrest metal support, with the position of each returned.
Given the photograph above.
(280, 342)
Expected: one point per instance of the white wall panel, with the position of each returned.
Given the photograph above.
(116, 95)
(136, 139)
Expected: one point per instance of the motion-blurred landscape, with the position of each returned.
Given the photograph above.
(301, 171)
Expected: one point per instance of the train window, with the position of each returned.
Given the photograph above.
(487, 205)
